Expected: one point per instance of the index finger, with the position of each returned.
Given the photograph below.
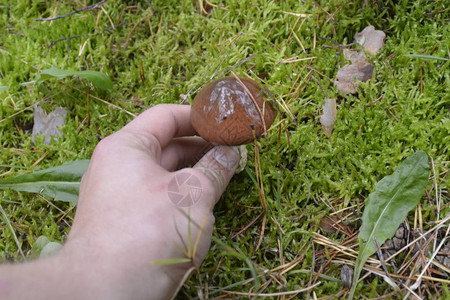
(163, 122)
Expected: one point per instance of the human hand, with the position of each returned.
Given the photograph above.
(129, 212)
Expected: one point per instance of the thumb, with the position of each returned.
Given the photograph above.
(218, 166)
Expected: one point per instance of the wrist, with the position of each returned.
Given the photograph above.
(116, 273)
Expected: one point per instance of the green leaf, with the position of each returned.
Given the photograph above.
(50, 249)
(4, 88)
(424, 56)
(43, 247)
(61, 183)
(394, 196)
(170, 261)
(99, 80)
(39, 244)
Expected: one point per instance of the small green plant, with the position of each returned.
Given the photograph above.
(60, 183)
(387, 206)
(99, 80)
(156, 53)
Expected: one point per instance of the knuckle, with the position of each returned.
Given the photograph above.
(161, 107)
(105, 148)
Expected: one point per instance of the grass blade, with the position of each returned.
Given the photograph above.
(424, 56)
(6, 219)
(170, 261)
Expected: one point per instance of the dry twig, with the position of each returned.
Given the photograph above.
(87, 8)
(272, 294)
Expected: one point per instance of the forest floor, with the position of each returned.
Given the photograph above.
(162, 51)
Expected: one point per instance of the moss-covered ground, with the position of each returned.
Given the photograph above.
(155, 51)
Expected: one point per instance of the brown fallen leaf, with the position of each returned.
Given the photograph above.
(360, 69)
(372, 40)
(355, 56)
(328, 116)
(48, 124)
(327, 224)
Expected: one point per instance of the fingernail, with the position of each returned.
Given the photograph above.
(227, 156)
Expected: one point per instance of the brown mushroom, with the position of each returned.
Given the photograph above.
(224, 111)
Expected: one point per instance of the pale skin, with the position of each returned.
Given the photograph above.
(125, 219)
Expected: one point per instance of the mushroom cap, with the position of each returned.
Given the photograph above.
(223, 112)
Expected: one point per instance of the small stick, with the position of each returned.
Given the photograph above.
(40, 159)
(320, 73)
(392, 114)
(271, 294)
(109, 103)
(320, 85)
(380, 256)
(419, 278)
(293, 59)
(263, 229)
(292, 30)
(438, 199)
(66, 213)
(297, 15)
(17, 113)
(107, 15)
(87, 8)
(52, 43)
(298, 40)
(56, 207)
(247, 226)
(127, 40)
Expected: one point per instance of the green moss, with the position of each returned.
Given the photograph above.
(404, 108)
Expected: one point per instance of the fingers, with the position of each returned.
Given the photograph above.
(162, 122)
(217, 166)
(184, 152)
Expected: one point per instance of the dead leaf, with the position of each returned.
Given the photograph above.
(326, 224)
(328, 116)
(48, 124)
(372, 40)
(346, 276)
(355, 56)
(360, 69)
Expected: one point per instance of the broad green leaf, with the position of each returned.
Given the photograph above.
(170, 261)
(4, 88)
(61, 183)
(394, 196)
(424, 56)
(50, 249)
(39, 244)
(43, 247)
(99, 80)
